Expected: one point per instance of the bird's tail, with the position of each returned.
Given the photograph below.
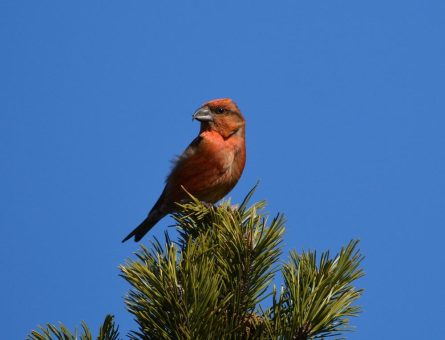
(145, 226)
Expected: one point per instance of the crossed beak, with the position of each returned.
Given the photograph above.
(203, 115)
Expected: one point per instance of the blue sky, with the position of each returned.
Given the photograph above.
(345, 110)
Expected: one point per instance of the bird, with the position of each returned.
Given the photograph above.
(210, 166)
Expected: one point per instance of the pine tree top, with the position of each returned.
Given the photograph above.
(216, 282)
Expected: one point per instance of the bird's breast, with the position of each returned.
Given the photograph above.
(232, 161)
(209, 170)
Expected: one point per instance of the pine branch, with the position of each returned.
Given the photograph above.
(108, 331)
(176, 293)
(236, 250)
(317, 298)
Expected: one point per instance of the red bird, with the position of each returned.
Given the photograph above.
(210, 166)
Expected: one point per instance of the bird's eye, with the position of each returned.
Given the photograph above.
(220, 110)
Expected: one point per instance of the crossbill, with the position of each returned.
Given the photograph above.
(210, 166)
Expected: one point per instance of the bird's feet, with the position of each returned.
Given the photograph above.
(209, 205)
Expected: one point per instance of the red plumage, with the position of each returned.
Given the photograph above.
(210, 166)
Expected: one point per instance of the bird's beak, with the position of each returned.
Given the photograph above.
(203, 115)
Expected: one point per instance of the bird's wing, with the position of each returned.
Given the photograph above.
(199, 170)
(188, 152)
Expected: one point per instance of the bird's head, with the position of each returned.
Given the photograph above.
(221, 115)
